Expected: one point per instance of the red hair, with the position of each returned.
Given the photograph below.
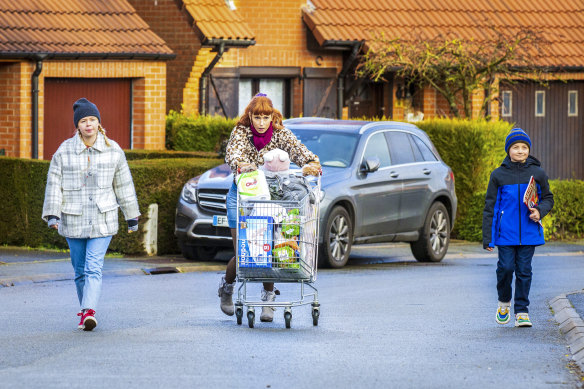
(261, 105)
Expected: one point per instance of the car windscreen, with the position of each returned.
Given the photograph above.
(332, 148)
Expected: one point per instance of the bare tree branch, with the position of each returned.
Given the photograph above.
(456, 67)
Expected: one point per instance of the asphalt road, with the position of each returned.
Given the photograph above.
(386, 321)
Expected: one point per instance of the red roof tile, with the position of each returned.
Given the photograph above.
(216, 20)
(76, 27)
(561, 22)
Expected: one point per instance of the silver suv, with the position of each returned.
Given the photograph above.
(382, 182)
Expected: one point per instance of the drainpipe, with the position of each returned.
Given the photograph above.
(35, 105)
(341, 77)
(203, 80)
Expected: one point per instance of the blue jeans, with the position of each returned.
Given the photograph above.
(231, 204)
(87, 259)
(515, 259)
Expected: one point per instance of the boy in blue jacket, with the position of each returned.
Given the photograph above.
(513, 227)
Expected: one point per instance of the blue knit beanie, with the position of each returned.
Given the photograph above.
(516, 135)
(83, 108)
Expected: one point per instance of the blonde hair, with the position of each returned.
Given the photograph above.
(100, 129)
(261, 105)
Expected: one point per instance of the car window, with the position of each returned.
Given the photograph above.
(332, 148)
(417, 153)
(400, 147)
(427, 154)
(377, 147)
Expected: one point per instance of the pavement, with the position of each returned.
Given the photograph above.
(20, 266)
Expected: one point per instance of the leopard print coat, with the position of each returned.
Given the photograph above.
(240, 148)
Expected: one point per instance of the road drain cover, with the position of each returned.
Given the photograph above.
(161, 270)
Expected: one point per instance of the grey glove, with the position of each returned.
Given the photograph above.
(53, 222)
(132, 225)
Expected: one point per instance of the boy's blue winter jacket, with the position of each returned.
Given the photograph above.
(506, 219)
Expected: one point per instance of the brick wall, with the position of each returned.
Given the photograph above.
(149, 94)
(173, 25)
(280, 36)
(10, 108)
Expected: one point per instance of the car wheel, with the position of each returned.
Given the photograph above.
(197, 253)
(435, 237)
(338, 237)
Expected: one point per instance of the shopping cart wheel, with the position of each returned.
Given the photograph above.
(315, 314)
(250, 317)
(239, 314)
(287, 317)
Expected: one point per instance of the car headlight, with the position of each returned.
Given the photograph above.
(189, 191)
(321, 195)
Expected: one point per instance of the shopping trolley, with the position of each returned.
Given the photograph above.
(278, 242)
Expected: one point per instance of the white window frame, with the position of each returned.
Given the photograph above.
(540, 93)
(509, 94)
(573, 111)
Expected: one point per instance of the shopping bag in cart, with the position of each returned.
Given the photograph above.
(253, 186)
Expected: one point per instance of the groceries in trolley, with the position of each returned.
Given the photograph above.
(253, 186)
(255, 241)
(280, 224)
(276, 162)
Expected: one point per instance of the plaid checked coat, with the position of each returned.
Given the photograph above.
(85, 187)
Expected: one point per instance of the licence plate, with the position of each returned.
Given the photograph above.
(220, 221)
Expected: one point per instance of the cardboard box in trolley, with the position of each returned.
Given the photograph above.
(256, 236)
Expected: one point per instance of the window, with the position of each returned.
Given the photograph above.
(401, 149)
(377, 147)
(319, 142)
(275, 88)
(540, 103)
(506, 103)
(573, 103)
(427, 154)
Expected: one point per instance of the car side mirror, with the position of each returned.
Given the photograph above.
(370, 165)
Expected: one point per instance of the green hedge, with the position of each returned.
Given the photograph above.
(165, 154)
(156, 180)
(565, 221)
(194, 132)
(473, 149)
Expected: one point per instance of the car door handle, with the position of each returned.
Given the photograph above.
(394, 175)
(426, 171)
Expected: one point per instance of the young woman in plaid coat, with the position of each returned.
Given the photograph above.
(88, 180)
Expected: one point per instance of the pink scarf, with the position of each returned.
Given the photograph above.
(261, 140)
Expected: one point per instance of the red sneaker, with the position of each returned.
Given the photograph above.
(80, 325)
(88, 320)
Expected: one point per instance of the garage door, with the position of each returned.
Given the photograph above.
(112, 97)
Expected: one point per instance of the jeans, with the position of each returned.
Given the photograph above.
(515, 259)
(87, 259)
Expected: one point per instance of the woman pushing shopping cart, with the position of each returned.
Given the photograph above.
(258, 131)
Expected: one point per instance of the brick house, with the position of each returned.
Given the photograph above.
(52, 53)
(244, 46)
(303, 54)
(552, 115)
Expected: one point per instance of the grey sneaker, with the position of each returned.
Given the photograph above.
(522, 320)
(267, 312)
(225, 292)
